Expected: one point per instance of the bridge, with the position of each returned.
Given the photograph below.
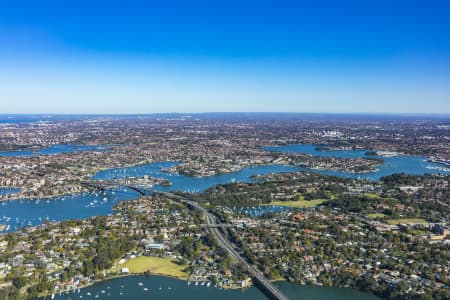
(261, 281)
(213, 224)
(104, 185)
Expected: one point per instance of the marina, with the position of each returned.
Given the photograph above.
(8, 190)
(159, 287)
(408, 164)
(258, 211)
(15, 214)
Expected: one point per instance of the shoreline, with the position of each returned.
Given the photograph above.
(95, 171)
(278, 280)
(113, 277)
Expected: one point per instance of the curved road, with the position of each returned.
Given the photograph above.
(268, 288)
(272, 291)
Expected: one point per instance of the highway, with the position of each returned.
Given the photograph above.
(213, 224)
(268, 288)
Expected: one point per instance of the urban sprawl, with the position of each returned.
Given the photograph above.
(389, 237)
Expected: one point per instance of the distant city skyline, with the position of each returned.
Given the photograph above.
(140, 57)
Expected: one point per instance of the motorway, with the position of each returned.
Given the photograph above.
(268, 288)
(262, 283)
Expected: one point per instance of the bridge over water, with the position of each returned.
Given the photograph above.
(141, 189)
(261, 281)
(214, 225)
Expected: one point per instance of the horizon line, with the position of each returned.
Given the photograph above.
(225, 112)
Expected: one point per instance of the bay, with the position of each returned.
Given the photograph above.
(9, 190)
(408, 164)
(159, 287)
(20, 213)
(15, 214)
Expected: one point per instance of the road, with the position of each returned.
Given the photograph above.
(265, 285)
(268, 288)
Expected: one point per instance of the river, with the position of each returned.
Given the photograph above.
(408, 164)
(15, 214)
(29, 212)
(159, 287)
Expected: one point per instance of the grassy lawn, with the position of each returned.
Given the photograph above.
(406, 221)
(299, 203)
(418, 232)
(375, 197)
(155, 265)
(376, 216)
(371, 196)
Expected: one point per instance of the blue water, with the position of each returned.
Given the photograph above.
(158, 289)
(311, 149)
(15, 214)
(258, 211)
(55, 149)
(408, 164)
(8, 190)
(188, 183)
(26, 212)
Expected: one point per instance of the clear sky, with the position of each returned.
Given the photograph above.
(198, 56)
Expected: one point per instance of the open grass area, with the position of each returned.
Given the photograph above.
(299, 203)
(418, 232)
(371, 196)
(155, 265)
(376, 216)
(406, 221)
(375, 197)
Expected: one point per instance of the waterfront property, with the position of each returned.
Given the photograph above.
(23, 213)
(163, 288)
(408, 164)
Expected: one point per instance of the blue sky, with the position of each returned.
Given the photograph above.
(198, 56)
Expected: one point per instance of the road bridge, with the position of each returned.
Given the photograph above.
(261, 281)
(213, 224)
(104, 185)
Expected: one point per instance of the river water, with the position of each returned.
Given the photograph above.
(8, 191)
(159, 287)
(188, 183)
(15, 214)
(408, 164)
(27, 212)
